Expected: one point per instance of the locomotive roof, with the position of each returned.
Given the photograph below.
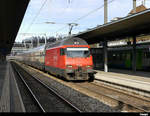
(68, 41)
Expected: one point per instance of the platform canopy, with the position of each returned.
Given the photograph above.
(128, 26)
(11, 15)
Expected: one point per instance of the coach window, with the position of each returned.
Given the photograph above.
(62, 51)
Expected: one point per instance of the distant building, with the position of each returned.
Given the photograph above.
(138, 9)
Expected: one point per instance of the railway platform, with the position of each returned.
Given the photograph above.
(139, 80)
(10, 99)
(3, 66)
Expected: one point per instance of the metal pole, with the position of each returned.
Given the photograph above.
(105, 56)
(105, 42)
(37, 41)
(144, 3)
(134, 54)
(134, 6)
(25, 45)
(32, 42)
(105, 11)
(45, 39)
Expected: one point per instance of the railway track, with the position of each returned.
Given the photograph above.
(126, 101)
(46, 98)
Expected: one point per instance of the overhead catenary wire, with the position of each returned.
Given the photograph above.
(89, 13)
(36, 16)
(63, 11)
(92, 11)
(69, 2)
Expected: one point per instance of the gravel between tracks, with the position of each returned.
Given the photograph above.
(82, 101)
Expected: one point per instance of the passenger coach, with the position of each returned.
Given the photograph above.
(69, 58)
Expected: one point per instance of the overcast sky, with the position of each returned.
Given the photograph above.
(70, 11)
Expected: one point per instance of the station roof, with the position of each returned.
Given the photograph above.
(11, 13)
(128, 26)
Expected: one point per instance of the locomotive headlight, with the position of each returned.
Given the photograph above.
(88, 66)
(69, 66)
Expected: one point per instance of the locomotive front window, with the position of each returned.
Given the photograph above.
(77, 52)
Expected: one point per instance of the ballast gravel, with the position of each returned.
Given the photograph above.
(83, 102)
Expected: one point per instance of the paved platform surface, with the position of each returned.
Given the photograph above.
(10, 99)
(138, 79)
(3, 66)
(5, 88)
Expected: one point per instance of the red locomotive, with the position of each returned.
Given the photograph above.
(69, 58)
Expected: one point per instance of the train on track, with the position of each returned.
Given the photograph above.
(120, 57)
(69, 58)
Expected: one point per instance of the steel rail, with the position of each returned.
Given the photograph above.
(40, 106)
(125, 87)
(138, 82)
(116, 98)
(111, 97)
(114, 89)
(51, 90)
(56, 93)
